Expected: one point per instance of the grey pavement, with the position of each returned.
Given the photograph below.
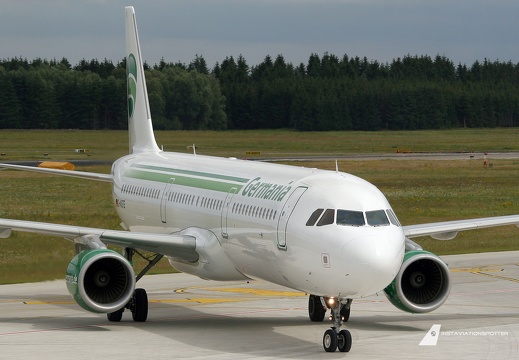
(195, 319)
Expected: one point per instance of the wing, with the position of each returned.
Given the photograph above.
(76, 174)
(449, 229)
(176, 246)
(180, 247)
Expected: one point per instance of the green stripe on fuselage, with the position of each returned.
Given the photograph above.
(183, 180)
(191, 172)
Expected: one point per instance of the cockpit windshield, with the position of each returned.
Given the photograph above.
(377, 218)
(350, 217)
(322, 217)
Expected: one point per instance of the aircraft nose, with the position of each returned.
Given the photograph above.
(371, 262)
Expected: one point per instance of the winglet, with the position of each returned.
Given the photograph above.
(140, 127)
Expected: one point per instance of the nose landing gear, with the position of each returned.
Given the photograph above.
(335, 338)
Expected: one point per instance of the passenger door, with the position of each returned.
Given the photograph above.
(286, 212)
(225, 211)
(164, 200)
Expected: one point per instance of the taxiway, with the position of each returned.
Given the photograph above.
(195, 319)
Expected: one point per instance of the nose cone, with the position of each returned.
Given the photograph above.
(371, 262)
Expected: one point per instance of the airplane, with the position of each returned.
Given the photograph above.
(326, 233)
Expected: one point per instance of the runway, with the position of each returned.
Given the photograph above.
(400, 156)
(356, 157)
(195, 319)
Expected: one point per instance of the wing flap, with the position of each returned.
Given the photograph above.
(448, 229)
(177, 246)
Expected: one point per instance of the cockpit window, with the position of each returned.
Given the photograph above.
(350, 217)
(313, 218)
(393, 218)
(353, 218)
(377, 218)
(327, 218)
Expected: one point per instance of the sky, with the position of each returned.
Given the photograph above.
(177, 30)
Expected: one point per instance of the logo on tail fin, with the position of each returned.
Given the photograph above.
(131, 67)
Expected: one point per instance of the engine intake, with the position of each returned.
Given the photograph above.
(422, 284)
(101, 280)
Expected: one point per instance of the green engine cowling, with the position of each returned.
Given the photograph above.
(422, 284)
(100, 280)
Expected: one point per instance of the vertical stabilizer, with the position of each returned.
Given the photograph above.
(140, 127)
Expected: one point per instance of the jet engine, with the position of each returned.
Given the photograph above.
(100, 280)
(422, 284)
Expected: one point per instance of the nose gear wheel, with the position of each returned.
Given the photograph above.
(335, 338)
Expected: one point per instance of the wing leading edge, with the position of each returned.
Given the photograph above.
(176, 246)
(449, 229)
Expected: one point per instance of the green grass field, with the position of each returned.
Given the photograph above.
(419, 191)
(109, 145)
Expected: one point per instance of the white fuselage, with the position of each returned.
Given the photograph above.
(252, 220)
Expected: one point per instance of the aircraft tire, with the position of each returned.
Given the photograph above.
(115, 316)
(345, 313)
(140, 305)
(330, 340)
(316, 312)
(344, 341)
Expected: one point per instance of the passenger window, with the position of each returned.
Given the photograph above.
(327, 218)
(377, 218)
(313, 218)
(350, 218)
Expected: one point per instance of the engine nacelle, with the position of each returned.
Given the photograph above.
(101, 280)
(422, 284)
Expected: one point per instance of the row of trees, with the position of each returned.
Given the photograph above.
(328, 93)
(355, 94)
(92, 95)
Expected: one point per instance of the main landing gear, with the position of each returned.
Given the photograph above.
(334, 338)
(138, 304)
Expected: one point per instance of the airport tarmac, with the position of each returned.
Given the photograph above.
(191, 318)
(401, 156)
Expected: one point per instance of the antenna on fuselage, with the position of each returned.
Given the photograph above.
(336, 166)
(194, 149)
